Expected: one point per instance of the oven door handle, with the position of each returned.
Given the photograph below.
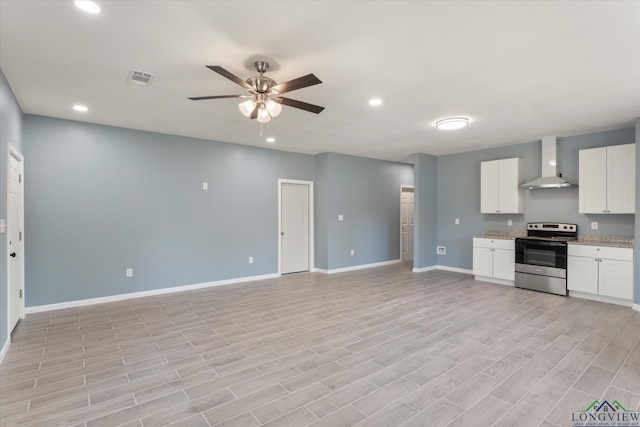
(543, 243)
(556, 244)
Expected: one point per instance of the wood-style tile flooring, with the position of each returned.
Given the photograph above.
(377, 347)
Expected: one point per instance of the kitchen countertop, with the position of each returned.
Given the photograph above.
(585, 239)
(609, 241)
(501, 234)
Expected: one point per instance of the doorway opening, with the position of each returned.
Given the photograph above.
(295, 226)
(406, 224)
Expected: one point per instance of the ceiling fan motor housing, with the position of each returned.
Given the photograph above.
(261, 84)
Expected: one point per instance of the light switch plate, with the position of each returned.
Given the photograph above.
(340, 217)
(509, 222)
(457, 221)
(3, 226)
(205, 185)
(441, 250)
(250, 260)
(129, 272)
(594, 225)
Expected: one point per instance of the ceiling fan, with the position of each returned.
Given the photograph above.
(265, 101)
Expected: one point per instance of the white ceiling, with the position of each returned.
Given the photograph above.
(519, 69)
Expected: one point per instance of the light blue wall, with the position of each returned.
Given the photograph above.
(426, 210)
(321, 209)
(10, 133)
(636, 252)
(459, 195)
(100, 199)
(367, 193)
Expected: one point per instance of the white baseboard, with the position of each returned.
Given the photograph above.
(319, 270)
(454, 269)
(496, 281)
(602, 298)
(442, 267)
(358, 267)
(5, 349)
(636, 307)
(120, 297)
(423, 269)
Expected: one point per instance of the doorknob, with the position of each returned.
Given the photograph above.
(12, 255)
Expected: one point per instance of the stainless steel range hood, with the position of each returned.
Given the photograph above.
(549, 178)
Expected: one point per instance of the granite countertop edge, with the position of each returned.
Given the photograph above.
(606, 243)
(586, 240)
(495, 237)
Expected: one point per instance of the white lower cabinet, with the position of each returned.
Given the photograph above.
(600, 270)
(494, 258)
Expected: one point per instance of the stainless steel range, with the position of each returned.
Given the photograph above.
(541, 257)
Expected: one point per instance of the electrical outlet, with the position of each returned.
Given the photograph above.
(250, 260)
(509, 222)
(129, 272)
(441, 250)
(457, 221)
(353, 252)
(205, 185)
(594, 225)
(340, 217)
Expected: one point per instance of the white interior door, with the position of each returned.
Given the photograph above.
(294, 228)
(406, 225)
(15, 239)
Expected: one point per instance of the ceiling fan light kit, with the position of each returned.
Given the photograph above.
(247, 107)
(452, 123)
(265, 101)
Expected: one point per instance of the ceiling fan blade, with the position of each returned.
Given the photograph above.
(200, 98)
(301, 105)
(224, 73)
(295, 84)
(254, 113)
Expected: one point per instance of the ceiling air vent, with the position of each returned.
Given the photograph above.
(140, 77)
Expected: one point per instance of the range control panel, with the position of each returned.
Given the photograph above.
(552, 226)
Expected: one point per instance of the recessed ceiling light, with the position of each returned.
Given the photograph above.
(81, 108)
(452, 123)
(375, 102)
(271, 140)
(87, 6)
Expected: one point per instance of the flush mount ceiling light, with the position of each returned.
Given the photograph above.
(374, 102)
(80, 108)
(265, 101)
(452, 123)
(271, 140)
(87, 6)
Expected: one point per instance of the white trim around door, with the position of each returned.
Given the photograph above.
(13, 153)
(311, 223)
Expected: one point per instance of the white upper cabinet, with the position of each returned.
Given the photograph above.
(499, 186)
(608, 179)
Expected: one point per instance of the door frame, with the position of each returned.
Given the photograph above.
(13, 152)
(311, 226)
(402, 187)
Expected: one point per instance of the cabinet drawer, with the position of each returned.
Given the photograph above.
(622, 254)
(507, 244)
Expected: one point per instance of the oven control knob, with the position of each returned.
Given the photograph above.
(565, 227)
